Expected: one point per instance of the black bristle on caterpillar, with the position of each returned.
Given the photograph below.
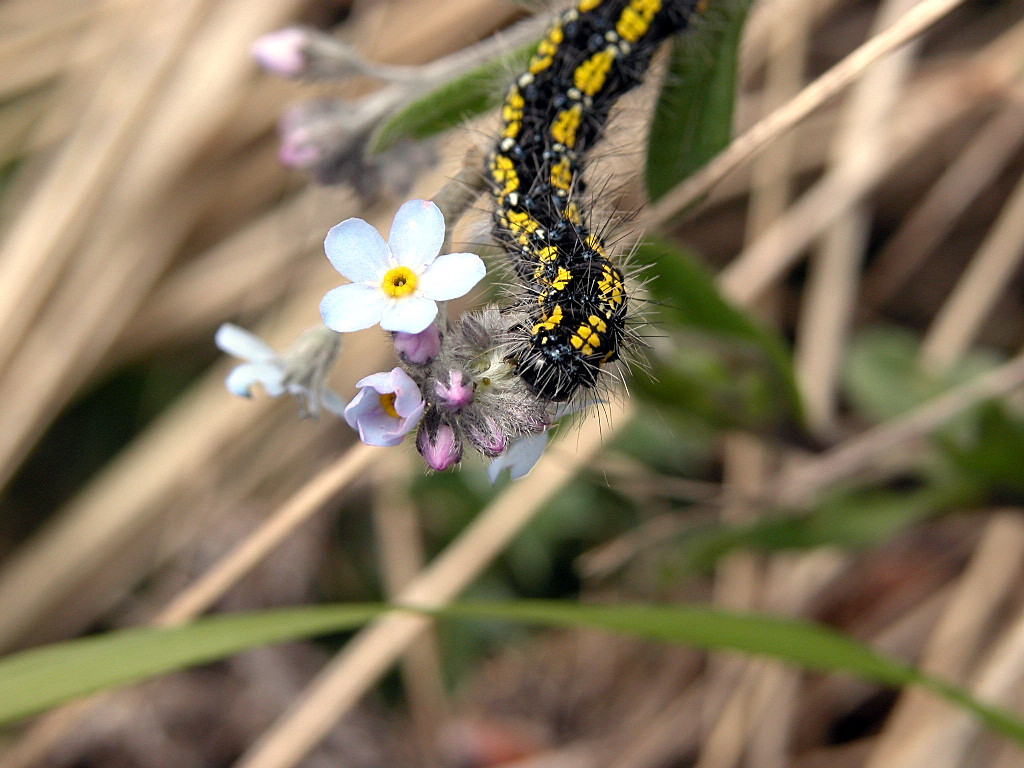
(575, 297)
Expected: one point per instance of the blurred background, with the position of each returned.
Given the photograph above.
(869, 260)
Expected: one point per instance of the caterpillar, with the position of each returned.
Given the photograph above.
(574, 295)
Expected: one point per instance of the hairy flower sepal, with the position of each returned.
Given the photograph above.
(299, 372)
(387, 407)
(399, 282)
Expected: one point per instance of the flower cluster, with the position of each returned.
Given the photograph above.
(454, 383)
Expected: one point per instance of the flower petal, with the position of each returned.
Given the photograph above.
(377, 428)
(519, 458)
(411, 314)
(240, 343)
(352, 307)
(357, 250)
(416, 234)
(365, 401)
(378, 381)
(451, 276)
(408, 398)
(269, 375)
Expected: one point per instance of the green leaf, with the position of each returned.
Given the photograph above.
(451, 104)
(849, 519)
(34, 680)
(790, 640)
(738, 369)
(987, 458)
(693, 118)
(884, 378)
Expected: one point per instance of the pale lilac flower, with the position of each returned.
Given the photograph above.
(387, 408)
(440, 448)
(419, 348)
(519, 458)
(300, 372)
(283, 52)
(399, 282)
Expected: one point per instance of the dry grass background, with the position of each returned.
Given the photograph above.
(143, 205)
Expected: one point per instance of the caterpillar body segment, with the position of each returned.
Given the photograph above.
(553, 113)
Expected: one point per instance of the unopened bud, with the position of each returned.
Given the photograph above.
(439, 447)
(283, 52)
(316, 133)
(456, 393)
(419, 348)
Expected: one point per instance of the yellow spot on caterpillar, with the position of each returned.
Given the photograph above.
(589, 335)
(561, 174)
(597, 324)
(512, 113)
(610, 286)
(576, 341)
(503, 171)
(548, 253)
(521, 225)
(551, 322)
(594, 243)
(572, 213)
(546, 50)
(566, 124)
(587, 5)
(587, 350)
(562, 279)
(589, 76)
(636, 18)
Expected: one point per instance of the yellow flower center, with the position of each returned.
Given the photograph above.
(387, 402)
(399, 282)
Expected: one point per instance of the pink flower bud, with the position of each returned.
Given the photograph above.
(282, 52)
(419, 348)
(456, 393)
(300, 147)
(441, 449)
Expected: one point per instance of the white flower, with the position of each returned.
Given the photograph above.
(399, 282)
(300, 373)
(519, 458)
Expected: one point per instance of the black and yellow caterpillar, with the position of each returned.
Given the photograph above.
(574, 295)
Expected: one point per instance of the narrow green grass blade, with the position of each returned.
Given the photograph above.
(806, 645)
(34, 680)
(693, 118)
